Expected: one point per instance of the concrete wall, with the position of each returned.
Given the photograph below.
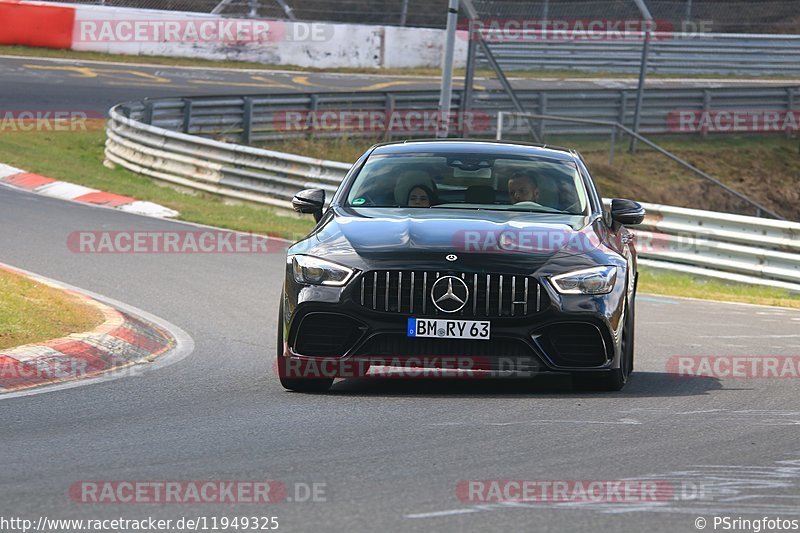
(275, 42)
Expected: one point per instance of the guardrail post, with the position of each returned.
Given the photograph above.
(148, 112)
(790, 103)
(313, 105)
(706, 109)
(542, 111)
(387, 134)
(247, 120)
(611, 148)
(187, 115)
(623, 106)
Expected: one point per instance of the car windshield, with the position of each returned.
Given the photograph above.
(467, 181)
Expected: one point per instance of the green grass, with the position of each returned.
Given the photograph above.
(77, 157)
(16, 50)
(655, 281)
(31, 312)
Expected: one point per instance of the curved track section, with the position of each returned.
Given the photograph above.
(390, 453)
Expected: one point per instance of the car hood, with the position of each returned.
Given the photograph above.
(483, 241)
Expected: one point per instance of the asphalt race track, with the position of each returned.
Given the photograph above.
(388, 454)
(94, 86)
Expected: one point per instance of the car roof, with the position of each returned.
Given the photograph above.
(474, 146)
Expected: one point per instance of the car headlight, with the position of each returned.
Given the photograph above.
(315, 271)
(596, 280)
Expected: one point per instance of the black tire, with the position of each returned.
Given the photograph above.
(294, 383)
(612, 380)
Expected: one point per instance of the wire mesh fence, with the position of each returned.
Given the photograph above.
(724, 16)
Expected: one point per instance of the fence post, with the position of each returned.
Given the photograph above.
(469, 77)
(637, 116)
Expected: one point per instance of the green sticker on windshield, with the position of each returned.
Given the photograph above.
(359, 201)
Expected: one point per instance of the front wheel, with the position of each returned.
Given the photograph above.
(298, 384)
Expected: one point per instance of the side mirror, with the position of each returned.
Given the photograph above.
(627, 212)
(310, 201)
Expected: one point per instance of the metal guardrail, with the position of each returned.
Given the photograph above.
(734, 247)
(257, 118)
(672, 53)
(231, 170)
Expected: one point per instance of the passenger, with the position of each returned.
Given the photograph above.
(420, 196)
(415, 188)
(523, 187)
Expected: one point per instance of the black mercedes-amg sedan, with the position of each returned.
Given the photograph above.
(475, 257)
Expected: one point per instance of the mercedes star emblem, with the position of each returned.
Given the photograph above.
(451, 257)
(449, 294)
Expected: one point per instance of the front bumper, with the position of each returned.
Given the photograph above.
(326, 327)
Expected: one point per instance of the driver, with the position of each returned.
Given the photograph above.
(523, 187)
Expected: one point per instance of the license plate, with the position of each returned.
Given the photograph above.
(448, 329)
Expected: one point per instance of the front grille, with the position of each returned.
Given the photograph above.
(574, 345)
(490, 295)
(326, 335)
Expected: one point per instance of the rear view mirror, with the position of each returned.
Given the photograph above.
(309, 201)
(627, 212)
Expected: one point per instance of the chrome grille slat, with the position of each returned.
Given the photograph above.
(488, 283)
(514, 293)
(386, 305)
(375, 291)
(525, 306)
(411, 299)
(424, 291)
(399, 292)
(474, 294)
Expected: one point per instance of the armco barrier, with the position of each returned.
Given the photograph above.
(235, 171)
(747, 249)
(673, 53)
(253, 118)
